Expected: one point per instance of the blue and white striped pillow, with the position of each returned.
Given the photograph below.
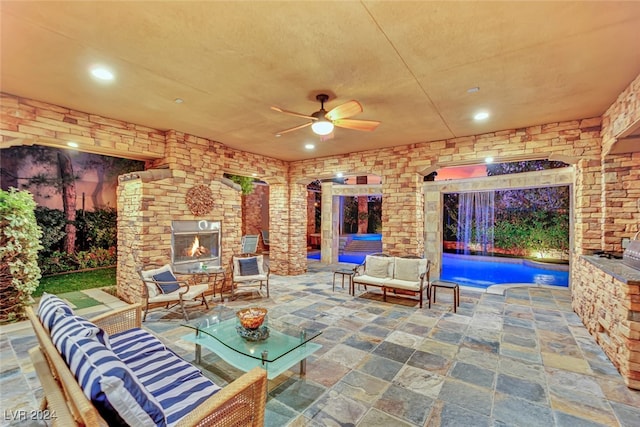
(51, 308)
(112, 387)
(71, 325)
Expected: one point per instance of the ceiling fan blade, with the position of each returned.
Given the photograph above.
(365, 125)
(293, 128)
(343, 111)
(292, 113)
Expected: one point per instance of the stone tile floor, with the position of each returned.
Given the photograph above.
(519, 359)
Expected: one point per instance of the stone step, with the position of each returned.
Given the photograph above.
(370, 246)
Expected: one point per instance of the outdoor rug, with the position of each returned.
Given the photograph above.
(79, 300)
(406, 301)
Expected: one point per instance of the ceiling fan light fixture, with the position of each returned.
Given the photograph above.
(322, 127)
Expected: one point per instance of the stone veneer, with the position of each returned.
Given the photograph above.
(255, 213)
(606, 296)
(606, 187)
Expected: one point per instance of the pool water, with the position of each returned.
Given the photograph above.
(482, 272)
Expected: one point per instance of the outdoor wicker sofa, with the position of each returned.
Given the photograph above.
(130, 376)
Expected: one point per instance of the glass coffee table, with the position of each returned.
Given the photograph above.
(283, 348)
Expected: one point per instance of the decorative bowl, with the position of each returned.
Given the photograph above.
(252, 318)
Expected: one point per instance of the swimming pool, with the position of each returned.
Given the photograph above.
(482, 272)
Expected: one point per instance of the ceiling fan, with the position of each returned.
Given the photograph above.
(322, 122)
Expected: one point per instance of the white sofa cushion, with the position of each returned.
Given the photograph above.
(377, 266)
(409, 285)
(409, 269)
(369, 280)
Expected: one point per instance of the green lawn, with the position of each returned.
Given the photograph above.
(76, 281)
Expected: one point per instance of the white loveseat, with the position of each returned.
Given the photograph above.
(402, 275)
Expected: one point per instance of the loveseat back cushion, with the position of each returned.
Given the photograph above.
(50, 309)
(72, 325)
(409, 269)
(376, 266)
(167, 282)
(112, 387)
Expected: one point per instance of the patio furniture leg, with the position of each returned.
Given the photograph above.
(184, 312)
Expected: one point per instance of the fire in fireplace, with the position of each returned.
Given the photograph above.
(194, 243)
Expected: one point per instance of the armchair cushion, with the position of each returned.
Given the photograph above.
(167, 282)
(248, 266)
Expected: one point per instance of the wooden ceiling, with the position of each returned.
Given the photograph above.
(410, 64)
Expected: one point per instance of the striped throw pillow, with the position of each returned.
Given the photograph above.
(71, 325)
(112, 387)
(50, 309)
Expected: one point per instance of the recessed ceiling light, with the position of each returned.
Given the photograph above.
(254, 174)
(278, 135)
(102, 73)
(473, 89)
(178, 100)
(309, 146)
(488, 160)
(72, 144)
(339, 174)
(483, 115)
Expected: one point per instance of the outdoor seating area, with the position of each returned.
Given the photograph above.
(109, 371)
(522, 358)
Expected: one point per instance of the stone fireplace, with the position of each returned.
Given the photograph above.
(156, 226)
(195, 243)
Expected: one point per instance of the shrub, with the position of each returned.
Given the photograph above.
(97, 229)
(19, 246)
(52, 223)
(97, 257)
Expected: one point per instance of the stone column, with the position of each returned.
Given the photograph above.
(278, 229)
(297, 259)
(363, 214)
(433, 232)
(329, 224)
(402, 214)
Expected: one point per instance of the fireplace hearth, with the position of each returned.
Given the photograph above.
(195, 244)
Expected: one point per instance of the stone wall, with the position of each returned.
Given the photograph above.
(255, 213)
(402, 169)
(607, 209)
(27, 122)
(610, 309)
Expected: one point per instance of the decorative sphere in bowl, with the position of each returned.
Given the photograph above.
(252, 318)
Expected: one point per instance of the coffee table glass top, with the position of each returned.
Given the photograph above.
(285, 345)
(281, 340)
